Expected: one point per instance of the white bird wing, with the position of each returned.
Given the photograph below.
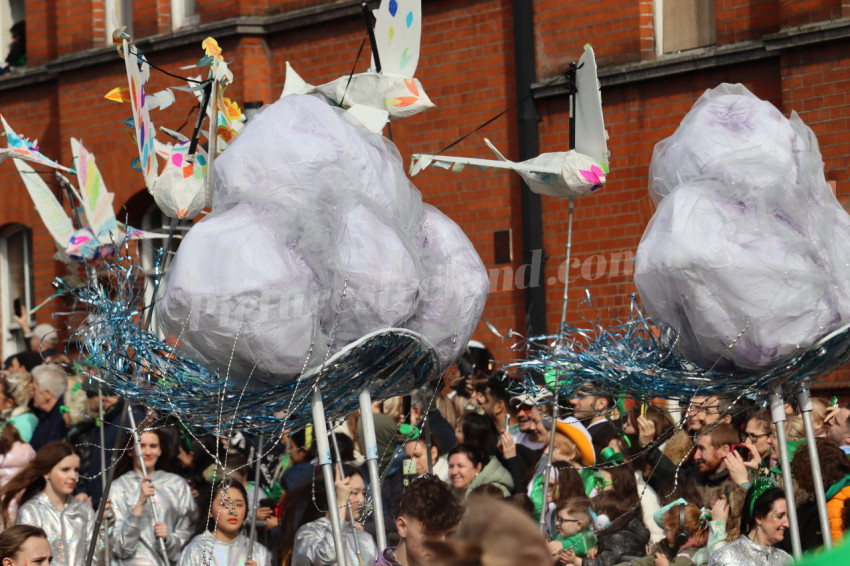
(456, 164)
(398, 33)
(591, 137)
(97, 200)
(52, 214)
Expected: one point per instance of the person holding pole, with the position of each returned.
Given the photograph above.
(134, 496)
(45, 487)
(219, 541)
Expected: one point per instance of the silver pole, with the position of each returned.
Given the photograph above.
(152, 499)
(347, 503)
(804, 400)
(320, 430)
(548, 472)
(102, 460)
(426, 432)
(567, 264)
(253, 535)
(777, 411)
(371, 448)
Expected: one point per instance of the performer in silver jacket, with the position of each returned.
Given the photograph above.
(68, 530)
(132, 497)
(221, 542)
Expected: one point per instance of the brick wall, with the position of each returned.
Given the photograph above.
(742, 20)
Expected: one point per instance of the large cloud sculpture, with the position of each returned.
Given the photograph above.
(747, 254)
(316, 239)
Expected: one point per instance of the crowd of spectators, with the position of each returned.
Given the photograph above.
(456, 459)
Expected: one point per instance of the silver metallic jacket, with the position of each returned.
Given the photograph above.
(744, 552)
(69, 530)
(314, 545)
(133, 539)
(205, 549)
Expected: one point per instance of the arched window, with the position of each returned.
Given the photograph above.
(16, 285)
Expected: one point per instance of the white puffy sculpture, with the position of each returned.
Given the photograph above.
(746, 255)
(316, 239)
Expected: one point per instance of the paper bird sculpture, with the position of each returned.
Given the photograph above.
(564, 174)
(381, 93)
(181, 188)
(20, 148)
(101, 232)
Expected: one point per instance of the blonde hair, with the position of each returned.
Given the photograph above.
(794, 428)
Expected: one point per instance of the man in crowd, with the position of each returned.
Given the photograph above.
(494, 398)
(48, 391)
(713, 451)
(428, 511)
(530, 419)
(593, 411)
(838, 421)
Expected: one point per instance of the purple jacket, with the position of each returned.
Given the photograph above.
(387, 558)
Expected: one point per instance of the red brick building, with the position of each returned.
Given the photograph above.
(479, 58)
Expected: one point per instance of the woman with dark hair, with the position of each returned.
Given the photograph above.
(24, 545)
(765, 521)
(136, 531)
(307, 534)
(469, 468)
(835, 472)
(47, 484)
(479, 431)
(218, 541)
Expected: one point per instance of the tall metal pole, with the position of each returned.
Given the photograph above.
(320, 430)
(426, 432)
(371, 448)
(804, 401)
(348, 504)
(152, 499)
(102, 459)
(548, 472)
(777, 411)
(253, 535)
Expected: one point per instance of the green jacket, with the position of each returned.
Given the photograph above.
(495, 473)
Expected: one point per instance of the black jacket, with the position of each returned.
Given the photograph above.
(619, 546)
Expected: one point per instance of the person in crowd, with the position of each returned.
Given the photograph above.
(713, 455)
(134, 495)
(835, 474)
(19, 416)
(15, 454)
(428, 511)
(794, 430)
(765, 521)
(685, 536)
(479, 430)
(422, 404)
(619, 451)
(415, 449)
(492, 532)
(727, 507)
(218, 540)
(301, 450)
(17, 56)
(45, 487)
(48, 394)
(307, 535)
(656, 433)
(25, 545)
(838, 421)
(571, 531)
(622, 535)
(390, 461)
(469, 467)
(529, 418)
(593, 411)
(494, 399)
(43, 339)
(22, 362)
(758, 436)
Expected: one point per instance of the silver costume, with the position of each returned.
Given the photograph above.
(744, 552)
(206, 550)
(134, 541)
(68, 530)
(314, 545)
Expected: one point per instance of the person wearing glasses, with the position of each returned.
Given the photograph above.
(572, 537)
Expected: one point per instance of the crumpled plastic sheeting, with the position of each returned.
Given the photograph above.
(746, 256)
(316, 238)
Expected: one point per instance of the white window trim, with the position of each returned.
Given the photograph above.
(179, 17)
(118, 12)
(8, 341)
(658, 17)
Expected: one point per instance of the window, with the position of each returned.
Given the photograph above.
(11, 12)
(153, 220)
(683, 24)
(16, 284)
(184, 13)
(119, 13)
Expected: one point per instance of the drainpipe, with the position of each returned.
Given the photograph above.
(529, 146)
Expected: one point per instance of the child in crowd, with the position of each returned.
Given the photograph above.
(686, 533)
(572, 530)
(219, 541)
(47, 484)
